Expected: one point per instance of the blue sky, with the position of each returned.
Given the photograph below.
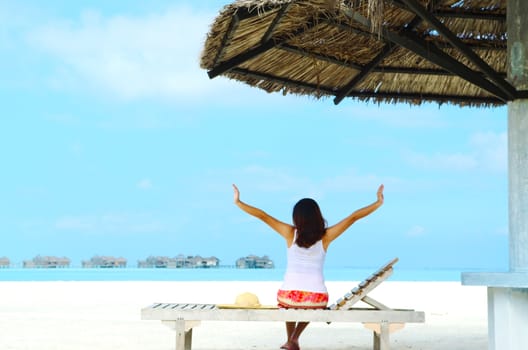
(113, 141)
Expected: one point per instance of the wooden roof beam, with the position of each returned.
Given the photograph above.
(433, 54)
(387, 50)
(233, 25)
(481, 44)
(280, 14)
(522, 94)
(421, 11)
(479, 15)
(341, 94)
(461, 13)
(239, 59)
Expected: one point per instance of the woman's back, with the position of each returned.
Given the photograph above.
(304, 269)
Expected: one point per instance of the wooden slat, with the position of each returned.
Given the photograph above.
(189, 307)
(207, 306)
(374, 303)
(365, 286)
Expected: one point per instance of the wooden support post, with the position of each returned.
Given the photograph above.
(180, 335)
(518, 183)
(381, 339)
(381, 333)
(508, 306)
(507, 318)
(376, 341)
(518, 135)
(188, 339)
(183, 332)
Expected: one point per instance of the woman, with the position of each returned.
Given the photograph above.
(307, 241)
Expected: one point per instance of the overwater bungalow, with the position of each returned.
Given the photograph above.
(104, 262)
(180, 261)
(160, 262)
(198, 261)
(48, 262)
(4, 262)
(255, 262)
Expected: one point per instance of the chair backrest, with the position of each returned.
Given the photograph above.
(363, 288)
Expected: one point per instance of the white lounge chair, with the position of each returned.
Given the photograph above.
(382, 320)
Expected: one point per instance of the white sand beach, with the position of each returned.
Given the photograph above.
(106, 315)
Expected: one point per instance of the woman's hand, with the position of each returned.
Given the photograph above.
(236, 194)
(380, 194)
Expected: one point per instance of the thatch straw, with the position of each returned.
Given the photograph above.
(316, 47)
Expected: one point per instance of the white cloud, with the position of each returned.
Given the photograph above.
(439, 161)
(502, 231)
(284, 180)
(416, 231)
(144, 122)
(352, 181)
(116, 223)
(144, 184)
(487, 152)
(63, 119)
(155, 56)
(76, 148)
(75, 223)
(491, 150)
(275, 179)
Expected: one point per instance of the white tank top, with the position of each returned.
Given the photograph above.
(304, 270)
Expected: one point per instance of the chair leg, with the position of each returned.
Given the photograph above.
(188, 339)
(183, 330)
(183, 337)
(381, 339)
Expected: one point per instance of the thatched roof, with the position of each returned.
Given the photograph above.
(411, 51)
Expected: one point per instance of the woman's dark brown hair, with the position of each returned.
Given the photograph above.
(309, 222)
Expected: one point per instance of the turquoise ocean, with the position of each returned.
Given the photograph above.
(214, 274)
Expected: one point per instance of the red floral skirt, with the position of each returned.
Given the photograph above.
(301, 299)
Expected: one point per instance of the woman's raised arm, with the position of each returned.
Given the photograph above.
(284, 229)
(336, 230)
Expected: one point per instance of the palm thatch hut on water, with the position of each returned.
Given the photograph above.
(4, 262)
(47, 262)
(254, 262)
(99, 261)
(462, 52)
(179, 261)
